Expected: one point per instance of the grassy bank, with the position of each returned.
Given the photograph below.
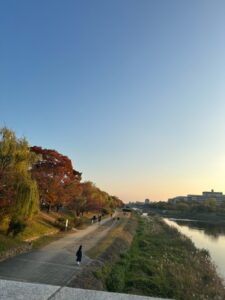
(41, 230)
(119, 231)
(162, 262)
(8, 243)
(106, 254)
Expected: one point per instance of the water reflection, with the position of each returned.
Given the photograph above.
(212, 239)
(212, 229)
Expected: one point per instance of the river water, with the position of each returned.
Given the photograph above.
(204, 235)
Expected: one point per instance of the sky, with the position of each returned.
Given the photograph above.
(133, 91)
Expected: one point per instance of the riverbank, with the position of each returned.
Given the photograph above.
(210, 217)
(161, 262)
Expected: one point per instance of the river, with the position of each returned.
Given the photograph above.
(204, 235)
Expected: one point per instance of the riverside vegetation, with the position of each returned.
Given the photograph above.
(160, 262)
(208, 210)
(39, 191)
(106, 253)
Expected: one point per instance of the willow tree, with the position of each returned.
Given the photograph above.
(18, 191)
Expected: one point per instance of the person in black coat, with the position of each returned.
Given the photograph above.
(79, 255)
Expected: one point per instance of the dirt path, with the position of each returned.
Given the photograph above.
(55, 263)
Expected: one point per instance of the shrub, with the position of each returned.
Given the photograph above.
(106, 211)
(15, 227)
(78, 222)
(116, 281)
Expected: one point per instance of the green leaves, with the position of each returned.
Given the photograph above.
(18, 192)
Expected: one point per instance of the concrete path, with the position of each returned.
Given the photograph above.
(11, 290)
(55, 263)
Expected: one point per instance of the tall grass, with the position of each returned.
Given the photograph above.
(163, 262)
(117, 232)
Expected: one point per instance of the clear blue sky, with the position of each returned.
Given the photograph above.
(132, 91)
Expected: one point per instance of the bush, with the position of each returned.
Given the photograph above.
(61, 220)
(15, 227)
(78, 222)
(116, 281)
(106, 211)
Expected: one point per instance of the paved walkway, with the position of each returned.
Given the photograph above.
(11, 290)
(55, 263)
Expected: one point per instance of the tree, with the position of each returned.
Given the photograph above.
(26, 198)
(78, 204)
(54, 173)
(90, 192)
(210, 205)
(18, 192)
(115, 202)
(182, 206)
(75, 201)
(97, 200)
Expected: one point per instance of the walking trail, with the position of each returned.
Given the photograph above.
(55, 263)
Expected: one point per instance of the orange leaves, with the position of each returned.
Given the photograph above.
(59, 184)
(54, 173)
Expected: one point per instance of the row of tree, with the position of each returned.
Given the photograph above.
(32, 178)
(207, 205)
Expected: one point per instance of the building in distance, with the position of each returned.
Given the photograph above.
(217, 196)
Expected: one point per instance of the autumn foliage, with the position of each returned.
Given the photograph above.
(60, 185)
(32, 177)
(55, 177)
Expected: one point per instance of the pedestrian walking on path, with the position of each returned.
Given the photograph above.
(93, 219)
(99, 219)
(79, 255)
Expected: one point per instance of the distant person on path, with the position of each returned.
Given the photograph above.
(99, 219)
(79, 255)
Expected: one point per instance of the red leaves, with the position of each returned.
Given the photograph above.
(53, 173)
(59, 184)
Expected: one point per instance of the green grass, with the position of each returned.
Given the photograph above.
(41, 230)
(36, 229)
(116, 232)
(162, 262)
(8, 243)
